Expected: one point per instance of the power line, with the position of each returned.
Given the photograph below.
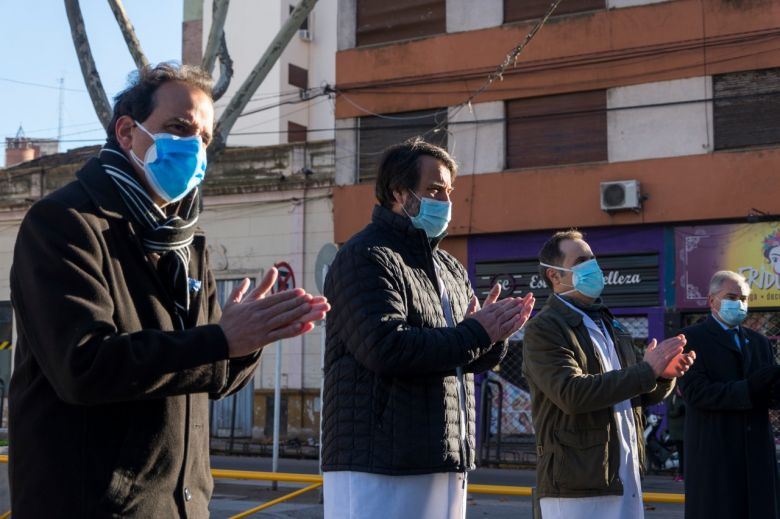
(40, 85)
(496, 120)
(579, 60)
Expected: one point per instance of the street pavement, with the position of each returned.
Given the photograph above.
(234, 496)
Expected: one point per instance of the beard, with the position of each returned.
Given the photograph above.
(412, 206)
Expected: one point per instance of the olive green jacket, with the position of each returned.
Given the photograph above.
(577, 439)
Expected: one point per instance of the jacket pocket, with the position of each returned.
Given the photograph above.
(580, 460)
(123, 474)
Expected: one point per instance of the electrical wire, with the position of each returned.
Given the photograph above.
(41, 85)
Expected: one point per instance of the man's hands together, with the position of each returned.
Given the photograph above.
(253, 321)
(501, 319)
(667, 358)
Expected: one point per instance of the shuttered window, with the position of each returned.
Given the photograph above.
(297, 76)
(378, 133)
(296, 132)
(382, 21)
(519, 10)
(746, 109)
(560, 129)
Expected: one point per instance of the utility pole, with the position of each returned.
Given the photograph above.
(61, 109)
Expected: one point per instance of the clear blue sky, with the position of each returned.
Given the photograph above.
(37, 49)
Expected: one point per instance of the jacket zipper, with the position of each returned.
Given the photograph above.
(463, 411)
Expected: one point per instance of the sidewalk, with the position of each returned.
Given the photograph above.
(232, 497)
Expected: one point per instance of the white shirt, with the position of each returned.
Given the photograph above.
(629, 505)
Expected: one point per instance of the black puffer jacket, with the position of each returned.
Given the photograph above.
(391, 403)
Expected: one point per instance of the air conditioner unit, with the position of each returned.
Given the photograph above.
(305, 34)
(620, 194)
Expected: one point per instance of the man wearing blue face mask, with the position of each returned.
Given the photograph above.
(731, 467)
(405, 337)
(588, 386)
(121, 340)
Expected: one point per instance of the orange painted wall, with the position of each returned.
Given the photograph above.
(669, 40)
(723, 185)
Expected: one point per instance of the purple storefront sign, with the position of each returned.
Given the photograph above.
(603, 242)
(752, 250)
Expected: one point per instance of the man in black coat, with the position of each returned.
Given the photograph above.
(121, 340)
(730, 469)
(404, 339)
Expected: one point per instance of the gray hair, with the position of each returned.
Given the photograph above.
(716, 283)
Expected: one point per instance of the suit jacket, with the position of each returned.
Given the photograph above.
(730, 468)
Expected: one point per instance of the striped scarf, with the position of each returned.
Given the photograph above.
(168, 235)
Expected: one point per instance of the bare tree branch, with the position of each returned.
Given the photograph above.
(91, 77)
(259, 73)
(219, 9)
(133, 45)
(225, 70)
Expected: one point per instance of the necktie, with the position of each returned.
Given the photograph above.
(734, 332)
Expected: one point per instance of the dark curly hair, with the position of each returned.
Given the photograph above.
(138, 99)
(399, 167)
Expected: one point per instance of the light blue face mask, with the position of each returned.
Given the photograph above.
(733, 312)
(434, 216)
(588, 278)
(173, 166)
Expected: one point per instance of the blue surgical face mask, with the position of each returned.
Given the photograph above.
(733, 312)
(587, 277)
(173, 166)
(434, 216)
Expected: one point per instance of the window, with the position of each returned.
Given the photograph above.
(746, 109)
(296, 132)
(380, 21)
(559, 129)
(520, 10)
(297, 76)
(305, 24)
(377, 133)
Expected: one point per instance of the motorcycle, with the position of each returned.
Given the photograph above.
(661, 455)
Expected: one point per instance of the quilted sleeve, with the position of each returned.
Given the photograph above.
(369, 316)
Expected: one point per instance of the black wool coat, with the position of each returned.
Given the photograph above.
(391, 403)
(108, 403)
(730, 463)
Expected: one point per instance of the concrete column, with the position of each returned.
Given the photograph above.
(477, 137)
(347, 21)
(346, 151)
(660, 119)
(614, 4)
(468, 15)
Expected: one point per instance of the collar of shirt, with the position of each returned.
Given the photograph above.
(589, 323)
(728, 330)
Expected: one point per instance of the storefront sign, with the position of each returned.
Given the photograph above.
(631, 281)
(753, 250)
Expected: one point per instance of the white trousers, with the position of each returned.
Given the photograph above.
(360, 495)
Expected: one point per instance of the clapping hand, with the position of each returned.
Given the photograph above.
(667, 358)
(501, 319)
(252, 321)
